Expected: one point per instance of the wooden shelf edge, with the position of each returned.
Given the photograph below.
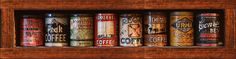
(115, 53)
(117, 4)
(174, 47)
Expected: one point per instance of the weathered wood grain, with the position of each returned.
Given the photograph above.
(8, 28)
(231, 16)
(73, 53)
(80, 4)
(185, 4)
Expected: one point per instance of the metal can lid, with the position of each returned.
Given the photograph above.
(155, 13)
(31, 16)
(55, 15)
(76, 15)
(181, 13)
(108, 14)
(131, 14)
(208, 14)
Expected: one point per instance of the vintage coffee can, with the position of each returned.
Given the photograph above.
(56, 30)
(31, 30)
(81, 30)
(155, 29)
(131, 30)
(105, 29)
(181, 29)
(208, 29)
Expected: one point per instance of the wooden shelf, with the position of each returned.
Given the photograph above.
(116, 52)
(118, 4)
(8, 33)
(184, 47)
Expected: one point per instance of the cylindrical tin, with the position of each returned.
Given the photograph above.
(56, 30)
(155, 29)
(181, 30)
(105, 30)
(31, 30)
(81, 30)
(208, 29)
(130, 30)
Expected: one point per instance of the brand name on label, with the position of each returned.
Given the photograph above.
(183, 24)
(157, 20)
(104, 17)
(212, 25)
(32, 22)
(209, 25)
(105, 36)
(82, 21)
(58, 29)
(131, 20)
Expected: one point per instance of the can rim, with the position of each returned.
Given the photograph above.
(80, 14)
(208, 14)
(181, 13)
(154, 13)
(131, 14)
(55, 15)
(100, 14)
(31, 16)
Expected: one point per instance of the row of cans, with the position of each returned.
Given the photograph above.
(133, 30)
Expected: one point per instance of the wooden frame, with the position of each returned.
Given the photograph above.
(8, 49)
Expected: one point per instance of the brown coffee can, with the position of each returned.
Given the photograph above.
(105, 29)
(155, 29)
(31, 30)
(131, 30)
(181, 29)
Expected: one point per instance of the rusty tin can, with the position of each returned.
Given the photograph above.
(130, 30)
(31, 30)
(155, 29)
(105, 29)
(181, 29)
(81, 30)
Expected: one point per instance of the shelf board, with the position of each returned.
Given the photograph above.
(117, 4)
(192, 47)
(116, 52)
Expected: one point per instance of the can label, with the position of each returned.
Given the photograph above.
(155, 29)
(209, 27)
(130, 31)
(181, 31)
(105, 32)
(31, 32)
(56, 32)
(81, 30)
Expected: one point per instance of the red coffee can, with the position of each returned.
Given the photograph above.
(105, 29)
(31, 30)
